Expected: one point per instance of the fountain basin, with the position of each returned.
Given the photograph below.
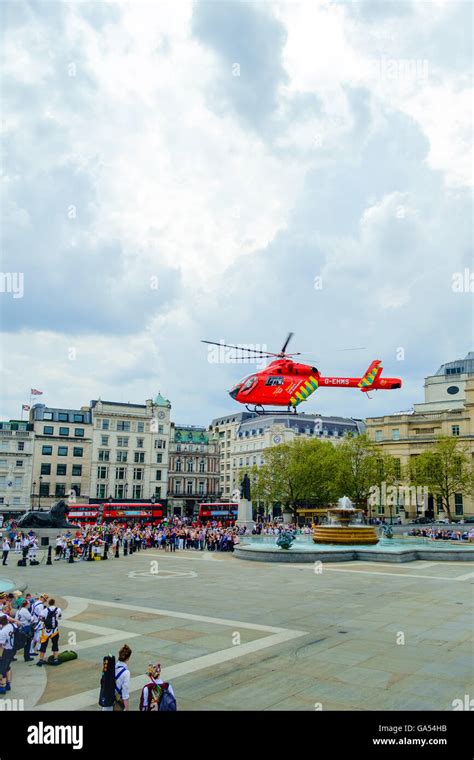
(347, 535)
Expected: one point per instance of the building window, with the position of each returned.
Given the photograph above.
(62, 451)
(137, 492)
(189, 487)
(47, 450)
(101, 491)
(48, 416)
(19, 463)
(21, 445)
(104, 455)
(398, 468)
(190, 465)
(79, 432)
(395, 435)
(160, 443)
(102, 473)
(378, 435)
(158, 491)
(161, 429)
(78, 418)
(122, 456)
(202, 466)
(139, 456)
(123, 426)
(455, 429)
(458, 505)
(120, 473)
(104, 440)
(78, 451)
(63, 417)
(63, 431)
(439, 503)
(44, 489)
(60, 489)
(122, 442)
(178, 465)
(138, 473)
(48, 430)
(140, 427)
(105, 424)
(45, 469)
(178, 446)
(61, 469)
(158, 475)
(140, 443)
(201, 488)
(177, 487)
(159, 458)
(77, 470)
(119, 491)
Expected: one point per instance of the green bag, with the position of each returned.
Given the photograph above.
(63, 657)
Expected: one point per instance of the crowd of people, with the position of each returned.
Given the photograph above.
(27, 624)
(443, 534)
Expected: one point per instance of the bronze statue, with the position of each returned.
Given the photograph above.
(56, 517)
(245, 488)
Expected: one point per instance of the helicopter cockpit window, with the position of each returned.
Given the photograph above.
(248, 383)
(274, 381)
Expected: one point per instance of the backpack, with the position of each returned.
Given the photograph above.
(118, 704)
(17, 638)
(51, 621)
(167, 701)
(107, 682)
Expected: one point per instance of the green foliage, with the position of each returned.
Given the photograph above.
(446, 469)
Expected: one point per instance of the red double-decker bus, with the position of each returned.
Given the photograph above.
(224, 512)
(89, 514)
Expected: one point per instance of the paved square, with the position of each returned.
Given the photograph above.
(238, 635)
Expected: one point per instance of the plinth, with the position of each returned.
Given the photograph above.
(245, 515)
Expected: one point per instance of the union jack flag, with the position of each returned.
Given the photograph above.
(35, 392)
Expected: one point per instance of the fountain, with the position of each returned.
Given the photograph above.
(340, 530)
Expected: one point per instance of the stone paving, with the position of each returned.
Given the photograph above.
(236, 635)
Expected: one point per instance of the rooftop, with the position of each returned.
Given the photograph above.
(459, 366)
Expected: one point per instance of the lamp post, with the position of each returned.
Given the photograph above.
(39, 494)
(126, 489)
(33, 495)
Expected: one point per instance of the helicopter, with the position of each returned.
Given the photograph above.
(287, 383)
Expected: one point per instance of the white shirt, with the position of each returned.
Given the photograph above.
(44, 614)
(6, 545)
(24, 616)
(123, 681)
(36, 610)
(6, 633)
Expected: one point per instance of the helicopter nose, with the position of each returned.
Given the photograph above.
(234, 391)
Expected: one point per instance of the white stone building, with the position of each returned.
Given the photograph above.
(16, 467)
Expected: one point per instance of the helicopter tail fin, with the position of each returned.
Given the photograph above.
(370, 376)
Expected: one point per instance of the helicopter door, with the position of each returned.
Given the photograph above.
(249, 385)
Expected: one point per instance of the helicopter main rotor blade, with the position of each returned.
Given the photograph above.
(290, 335)
(239, 348)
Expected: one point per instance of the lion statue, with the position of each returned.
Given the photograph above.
(56, 517)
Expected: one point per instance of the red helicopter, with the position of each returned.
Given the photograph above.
(284, 382)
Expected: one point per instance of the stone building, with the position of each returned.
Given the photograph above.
(16, 467)
(193, 468)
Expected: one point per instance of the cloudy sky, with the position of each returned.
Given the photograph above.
(232, 171)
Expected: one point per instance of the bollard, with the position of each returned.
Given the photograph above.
(117, 555)
(48, 561)
(106, 548)
(125, 548)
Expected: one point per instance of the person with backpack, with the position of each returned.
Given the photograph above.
(36, 610)
(121, 696)
(7, 653)
(50, 617)
(157, 695)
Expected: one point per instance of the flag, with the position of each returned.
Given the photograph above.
(35, 392)
(25, 408)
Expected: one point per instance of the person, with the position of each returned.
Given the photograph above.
(152, 697)
(5, 550)
(36, 609)
(122, 681)
(49, 618)
(7, 653)
(25, 619)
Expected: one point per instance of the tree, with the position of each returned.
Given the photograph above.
(445, 469)
(358, 470)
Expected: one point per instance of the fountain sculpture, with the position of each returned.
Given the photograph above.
(340, 530)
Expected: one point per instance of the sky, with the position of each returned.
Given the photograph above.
(233, 171)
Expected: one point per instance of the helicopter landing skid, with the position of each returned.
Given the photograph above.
(259, 409)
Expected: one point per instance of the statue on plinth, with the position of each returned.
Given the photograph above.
(56, 517)
(245, 488)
